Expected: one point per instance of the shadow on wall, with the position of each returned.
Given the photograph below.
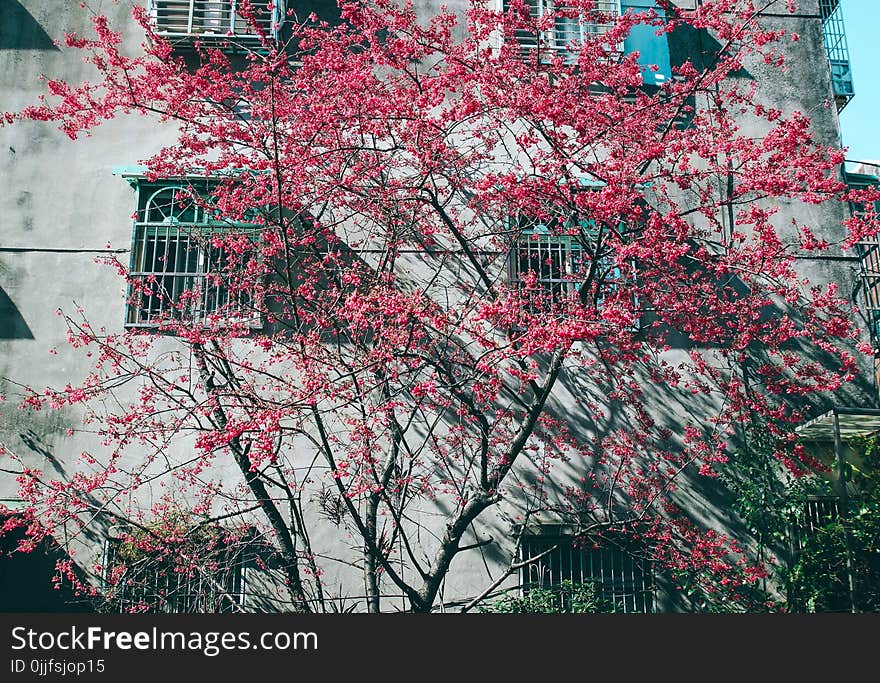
(20, 31)
(12, 324)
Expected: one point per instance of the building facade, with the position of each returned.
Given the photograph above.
(67, 205)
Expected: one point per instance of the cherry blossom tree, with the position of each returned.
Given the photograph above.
(453, 276)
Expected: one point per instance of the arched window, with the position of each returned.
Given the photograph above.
(181, 270)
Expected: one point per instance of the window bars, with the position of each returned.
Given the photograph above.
(215, 23)
(868, 251)
(555, 261)
(558, 261)
(815, 513)
(565, 31)
(837, 51)
(180, 269)
(818, 512)
(150, 582)
(623, 580)
(869, 266)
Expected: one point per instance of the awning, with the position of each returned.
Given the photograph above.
(853, 422)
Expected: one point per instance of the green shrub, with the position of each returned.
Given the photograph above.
(567, 598)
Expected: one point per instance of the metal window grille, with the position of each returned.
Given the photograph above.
(837, 51)
(566, 32)
(215, 22)
(623, 580)
(820, 511)
(178, 273)
(155, 584)
(559, 262)
(555, 261)
(869, 266)
(815, 513)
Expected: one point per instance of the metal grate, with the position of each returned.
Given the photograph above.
(215, 23)
(837, 51)
(555, 261)
(179, 270)
(818, 512)
(815, 513)
(155, 584)
(869, 262)
(869, 266)
(623, 580)
(566, 32)
(558, 261)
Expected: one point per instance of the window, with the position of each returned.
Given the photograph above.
(558, 259)
(817, 511)
(868, 251)
(568, 31)
(622, 577)
(869, 266)
(837, 51)
(181, 269)
(653, 50)
(137, 580)
(214, 23)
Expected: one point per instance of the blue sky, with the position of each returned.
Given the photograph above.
(859, 120)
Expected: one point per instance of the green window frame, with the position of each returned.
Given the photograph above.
(868, 251)
(652, 49)
(178, 272)
(554, 259)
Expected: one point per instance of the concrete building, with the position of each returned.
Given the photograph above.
(64, 205)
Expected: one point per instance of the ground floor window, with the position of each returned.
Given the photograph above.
(620, 574)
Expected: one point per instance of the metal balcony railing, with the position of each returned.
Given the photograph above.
(869, 262)
(216, 23)
(566, 32)
(868, 251)
(837, 51)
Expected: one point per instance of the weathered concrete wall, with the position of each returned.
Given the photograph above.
(61, 209)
